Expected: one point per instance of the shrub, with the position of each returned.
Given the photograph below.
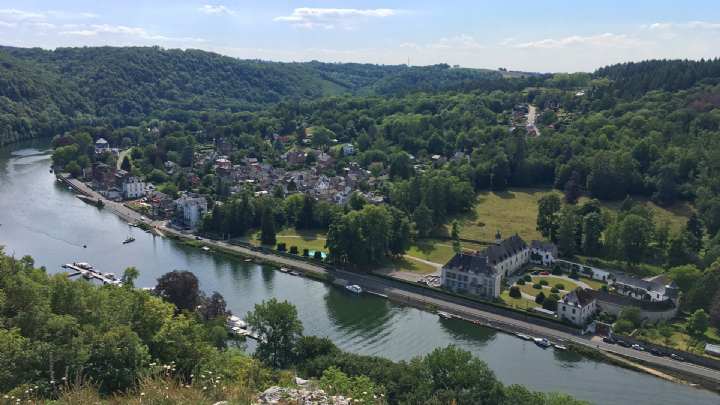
(540, 298)
(282, 247)
(306, 252)
(317, 255)
(527, 278)
(551, 302)
(537, 286)
(515, 292)
(543, 282)
(293, 250)
(560, 286)
(520, 282)
(574, 275)
(554, 290)
(623, 326)
(556, 270)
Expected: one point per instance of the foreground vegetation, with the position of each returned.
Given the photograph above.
(79, 343)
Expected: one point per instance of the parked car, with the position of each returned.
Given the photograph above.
(609, 340)
(638, 347)
(676, 357)
(544, 273)
(657, 352)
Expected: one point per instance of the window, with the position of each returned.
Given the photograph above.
(573, 311)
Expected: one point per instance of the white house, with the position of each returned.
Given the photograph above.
(654, 289)
(543, 253)
(101, 145)
(577, 307)
(133, 187)
(348, 149)
(191, 209)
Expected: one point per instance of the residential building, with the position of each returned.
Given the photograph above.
(102, 145)
(543, 253)
(161, 205)
(658, 288)
(348, 149)
(577, 307)
(508, 255)
(133, 188)
(652, 311)
(190, 209)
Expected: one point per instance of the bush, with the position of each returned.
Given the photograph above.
(556, 270)
(520, 282)
(282, 247)
(560, 286)
(537, 286)
(554, 290)
(317, 255)
(574, 275)
(540, 298)
(293, 250)
(551, 302)
(543, 282)
(306, 252)
(623, 326)
(515, 292)
(527, 278)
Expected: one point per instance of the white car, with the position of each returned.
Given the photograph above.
(638, 347)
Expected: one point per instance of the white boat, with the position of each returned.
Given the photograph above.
(296, 273)
(83, 265)
(523, 336)
(354, 288)
(560, 347)
(444, 315)
(205, 248)
(542, 342)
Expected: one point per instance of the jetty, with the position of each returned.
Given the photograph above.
(89, 272)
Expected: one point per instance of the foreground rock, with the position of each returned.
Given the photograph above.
(300, 396)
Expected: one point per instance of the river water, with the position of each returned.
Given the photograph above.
(41, 218)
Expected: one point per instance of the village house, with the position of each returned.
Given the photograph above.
(295, 158)
(654, 289)
(101, 146)
(133, 188)
(190, 209)
(543, 253)
(653, 311)
(161, 205)
(577, 307)
(103, 176)
(348, 149)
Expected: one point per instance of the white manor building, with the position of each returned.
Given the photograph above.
(191, 209)
(481, 273)
(577, 307)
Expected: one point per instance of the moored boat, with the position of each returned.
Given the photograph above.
(542, 342)
(444, 315)
(129, 239)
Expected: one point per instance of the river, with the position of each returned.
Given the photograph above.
(41, 218)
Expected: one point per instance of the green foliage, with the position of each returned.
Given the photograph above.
(698, 323)
(278, 327)
(515, 292)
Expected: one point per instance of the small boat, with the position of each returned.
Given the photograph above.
(248, 260)
(129, 239)
(296, 273)
(110, 276)
(354, 288)
(444, 315)
(284, 270)
(83, 265)
(523, 336)
(205, 248)
(542, 342)
(87, 276)
(560, 347)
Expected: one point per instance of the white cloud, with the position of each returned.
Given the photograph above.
(211, 9)
(8, 24)
(607, 39)
(20, 15)
(694, 25)
(330, 18)
(458, 42)
(122, 30)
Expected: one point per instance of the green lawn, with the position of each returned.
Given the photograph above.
(527, 288)
(515, 211)
(413, 266)
(312, 240)
(596, 285)
(679, 339)
(432, 250)
(520, 303)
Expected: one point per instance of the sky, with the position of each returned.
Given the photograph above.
(537, 35)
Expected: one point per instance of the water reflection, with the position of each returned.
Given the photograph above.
(358, 315)
(466, 331)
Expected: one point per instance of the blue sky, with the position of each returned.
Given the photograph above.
(538, 35)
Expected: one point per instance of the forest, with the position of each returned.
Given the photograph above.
(43, 93)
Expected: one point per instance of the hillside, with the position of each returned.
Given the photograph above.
(42, 92)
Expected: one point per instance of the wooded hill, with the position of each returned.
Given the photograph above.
(43, 92)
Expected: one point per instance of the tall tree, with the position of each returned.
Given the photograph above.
(181, 288)
(423, 219)
(455, 235)
(592, 232)
(547, 219)
(267, 227)
(567, 231)
(279, 329)
(695, 229)
(572, 188)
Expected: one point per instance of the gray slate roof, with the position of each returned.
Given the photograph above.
(470, 262)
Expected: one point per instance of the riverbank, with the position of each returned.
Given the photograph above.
(423, 298)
